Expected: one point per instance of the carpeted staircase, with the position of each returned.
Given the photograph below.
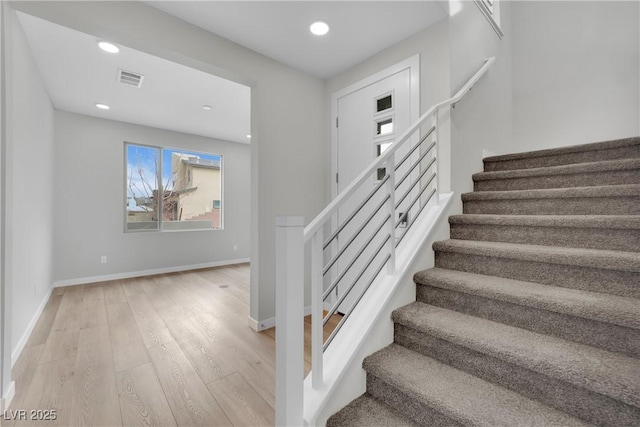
(531, 316)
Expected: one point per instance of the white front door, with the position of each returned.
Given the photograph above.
(369, 119)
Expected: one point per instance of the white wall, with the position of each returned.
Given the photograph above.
(5, 291)
(30, 190)
(481, 124)
(288, 145)
(575, 69)
(432, 45)
(90, 194)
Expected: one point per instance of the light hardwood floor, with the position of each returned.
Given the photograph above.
(166, 350)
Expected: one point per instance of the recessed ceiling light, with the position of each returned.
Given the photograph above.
(103, 106)
(108, 47)
(248, 136)
(207, 107)
(319, 28)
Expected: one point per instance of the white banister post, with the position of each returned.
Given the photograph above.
(438, 160)
(390, 187)
(317, 335)
(289, 320)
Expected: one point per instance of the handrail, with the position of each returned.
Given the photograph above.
(332, 208)
(397, 206)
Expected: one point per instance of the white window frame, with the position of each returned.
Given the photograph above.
(491, 10)
(160, 221)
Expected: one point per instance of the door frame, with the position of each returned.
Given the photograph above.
(413, 65)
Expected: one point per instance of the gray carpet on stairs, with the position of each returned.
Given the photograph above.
(607, 150)
(613, 172)
(531, 316)
(368, 411)
(613, 232)
(604, 321)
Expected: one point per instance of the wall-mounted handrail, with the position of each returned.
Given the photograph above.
(332, 208)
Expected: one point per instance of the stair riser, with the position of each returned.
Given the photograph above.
(615, 282)
(576, 401)
(589, 238)
(564, 159)
(559, 181)
(419, 412)
(556, 206)
(585, 331)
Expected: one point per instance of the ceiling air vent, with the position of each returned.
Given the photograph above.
(130, 79)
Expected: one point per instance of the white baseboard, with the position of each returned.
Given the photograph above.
(129, 275)
(5, 401)
(261, 326)
(270, 322)
(15, 353)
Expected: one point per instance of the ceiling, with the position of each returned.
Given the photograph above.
(77, 74)
(280, 29)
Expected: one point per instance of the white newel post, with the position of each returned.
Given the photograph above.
(317, 331)
(289, 320)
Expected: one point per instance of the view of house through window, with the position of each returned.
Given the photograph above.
(170, 189)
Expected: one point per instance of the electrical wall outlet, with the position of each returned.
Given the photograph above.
(103, 259)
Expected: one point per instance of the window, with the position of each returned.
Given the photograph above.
(384, 103)
(169, 189)
(384, 127)
(382, 147)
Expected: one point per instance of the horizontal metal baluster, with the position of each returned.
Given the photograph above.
(348, 313)
(410, 171)
(422, 156)
(415, 147)
(362, 271)
(404, 196)
(355, 212)
(417, 198)
(355, 235)
(335, 283)
(416, 216)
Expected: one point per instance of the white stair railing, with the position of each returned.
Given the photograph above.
(364, 225)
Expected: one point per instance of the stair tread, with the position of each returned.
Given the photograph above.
(603, 145)
(590, 258)
(621, 311)
(366, 411)
(573, 221)
(592, 167)
(457, 394)
(623, 190)
(600, 371)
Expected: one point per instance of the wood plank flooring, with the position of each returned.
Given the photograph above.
(166, 350)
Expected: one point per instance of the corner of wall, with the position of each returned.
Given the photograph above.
(29, 232)
(6, 385)
(22, 342)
